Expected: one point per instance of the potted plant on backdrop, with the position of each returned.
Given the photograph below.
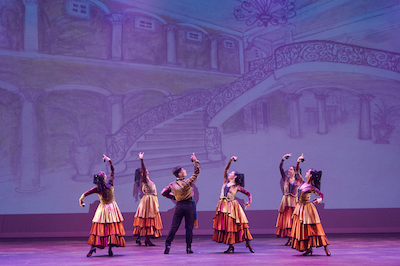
(81, 151)
(384, 116)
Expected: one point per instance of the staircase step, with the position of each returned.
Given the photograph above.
(170, 143)
(192, 136)
(157, 153)
(198, 125)
(174, 131)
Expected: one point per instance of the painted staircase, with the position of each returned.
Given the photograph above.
(170, 145)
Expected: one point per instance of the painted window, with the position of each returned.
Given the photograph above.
(145, 23)
(78, 9)
(194, 36)
(229, 44)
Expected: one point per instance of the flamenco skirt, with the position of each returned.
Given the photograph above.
(147, 217)
(305, 236)
(107, 234)
(284, 223)
(230, 223)
(147, 226)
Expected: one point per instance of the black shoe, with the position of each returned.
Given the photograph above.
(93, 249)
(189, 249)
(138, 241)
(249, 246)
(148, 243)
(328, 253)
(231, 248)
(308, 252)
(289, 242)
(110, 253)
(167, 248)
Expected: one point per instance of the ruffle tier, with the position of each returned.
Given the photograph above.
(148, 226)
(305, 236)
(230, 223)
(107, 234)
(284, 223)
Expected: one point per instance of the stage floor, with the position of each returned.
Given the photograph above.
(346, 249)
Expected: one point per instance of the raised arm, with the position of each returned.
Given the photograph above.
(196, 172)
(105, 158)
(144, 170)
(297, 170)
(284, 157)
(226, 170)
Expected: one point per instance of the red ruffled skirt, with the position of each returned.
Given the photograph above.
(148, 226)
(305, 236)
(284, 223)
(230, 223)
(107, 234)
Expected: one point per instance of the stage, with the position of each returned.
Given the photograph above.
(346, 249)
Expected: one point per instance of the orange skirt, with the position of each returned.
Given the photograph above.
(226, 230)
(107, 234)
(305, 236)
(148, 226)
(284, 223)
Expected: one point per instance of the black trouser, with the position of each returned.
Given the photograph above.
(183, 209)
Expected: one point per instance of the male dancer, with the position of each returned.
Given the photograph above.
(181, 191)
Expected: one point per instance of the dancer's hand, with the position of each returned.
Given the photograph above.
(234, 158)
(286, 156)
(246, 205)
(141, 155)
(193, 157)
(105, 158)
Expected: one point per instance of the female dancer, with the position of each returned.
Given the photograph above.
(289, 199)
(230, 221)
(147, 218)
(107, 228)
(307, 231)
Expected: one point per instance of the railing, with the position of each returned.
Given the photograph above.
(119, 143)
(310, 51)
(216, 99)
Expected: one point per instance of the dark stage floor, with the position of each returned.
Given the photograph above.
(354, 249)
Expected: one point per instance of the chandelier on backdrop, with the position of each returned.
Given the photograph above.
(264, 12)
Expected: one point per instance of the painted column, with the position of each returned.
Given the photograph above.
(294, 114)
(31, 39)
(365, 117)
(117, 112)
(241, 57)
(321, 103)
(214, 51)
(289, 33)
(30, 155)
(250, 118)
(171, 44)
(116, 45)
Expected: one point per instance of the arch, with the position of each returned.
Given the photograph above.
(265, 87)
(135, 10)
(194, 26)
(78, 87)
(160, 90)
(101, 5)
(9, 87)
